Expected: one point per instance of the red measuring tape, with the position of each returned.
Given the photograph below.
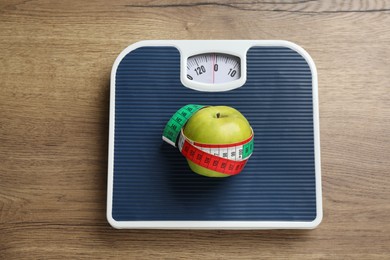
(216, 162)
(210, 161)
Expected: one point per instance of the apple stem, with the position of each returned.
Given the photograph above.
(218, 115)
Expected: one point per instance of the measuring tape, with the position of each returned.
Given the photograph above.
(178, 120)
(228, 159)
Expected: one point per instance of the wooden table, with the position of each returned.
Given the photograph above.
(55, 62)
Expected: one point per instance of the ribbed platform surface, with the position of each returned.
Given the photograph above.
(151, 178)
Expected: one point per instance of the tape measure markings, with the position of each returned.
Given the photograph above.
(210, 161)
(247, 149)
(177, 121)
(237, 153)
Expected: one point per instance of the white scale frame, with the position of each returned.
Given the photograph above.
(238, 48)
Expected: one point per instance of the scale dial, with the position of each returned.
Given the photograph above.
(213, 68)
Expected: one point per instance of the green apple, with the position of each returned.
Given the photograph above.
(216, 125)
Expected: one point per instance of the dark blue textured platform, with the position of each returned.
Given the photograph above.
(151, 178)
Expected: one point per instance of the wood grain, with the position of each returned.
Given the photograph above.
(55, 62)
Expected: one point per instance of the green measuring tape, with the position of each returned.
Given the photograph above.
(177, 121)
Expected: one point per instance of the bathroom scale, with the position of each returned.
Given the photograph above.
(272, 83)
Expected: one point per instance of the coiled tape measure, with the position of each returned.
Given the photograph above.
(228, 159)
